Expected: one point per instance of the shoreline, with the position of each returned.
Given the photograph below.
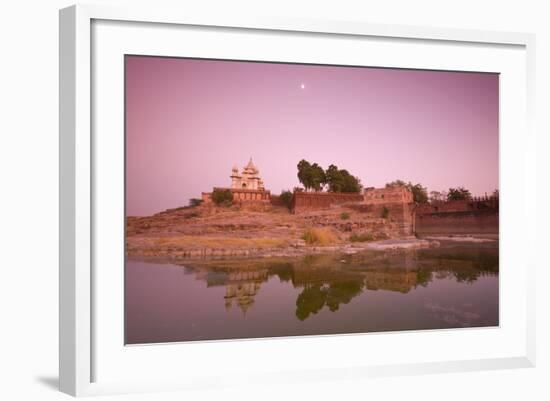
(299, 249)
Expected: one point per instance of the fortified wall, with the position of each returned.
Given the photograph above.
(469, 216)
(395, 204)
(241, 195)
(306, 201)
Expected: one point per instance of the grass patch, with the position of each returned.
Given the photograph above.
(365, 237)
(319, 236)
(344, 216)
(197, 241)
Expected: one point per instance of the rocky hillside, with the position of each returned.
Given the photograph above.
(251, 229)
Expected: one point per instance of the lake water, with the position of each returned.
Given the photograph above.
(453, 286)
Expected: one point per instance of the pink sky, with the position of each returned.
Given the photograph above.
(189, 121)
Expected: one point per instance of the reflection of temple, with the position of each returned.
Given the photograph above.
(242, 286)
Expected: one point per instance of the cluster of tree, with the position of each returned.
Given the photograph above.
(459, 193)
(420, 193)
(314, 177)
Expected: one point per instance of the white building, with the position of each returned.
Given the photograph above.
(249, 178)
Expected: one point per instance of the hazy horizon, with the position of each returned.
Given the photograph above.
(189, 121)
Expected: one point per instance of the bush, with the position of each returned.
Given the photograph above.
(364, 237)
(344, 215)
(222, 197)
(319, 236)
(286, 198)
(191, 215)
(385, 212)
(194, 202)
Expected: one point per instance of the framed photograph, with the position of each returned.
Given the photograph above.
(277, 199)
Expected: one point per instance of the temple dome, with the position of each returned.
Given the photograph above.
(249, 178)
(250, 165)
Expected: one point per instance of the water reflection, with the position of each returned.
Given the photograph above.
(452, 286)
(332, 280)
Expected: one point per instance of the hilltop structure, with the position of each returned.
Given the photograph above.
(249, 178)
(245, 186)
(394, 202)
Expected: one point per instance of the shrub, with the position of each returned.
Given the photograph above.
(385, 212)
(222, 197)
(286, 198)
(364, 237)
(191, 215)
(194, 202)
(344, 215)
(319, 236)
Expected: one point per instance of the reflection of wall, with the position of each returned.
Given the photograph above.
(401, 281)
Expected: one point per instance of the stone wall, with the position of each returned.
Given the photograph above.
(402, 214)
(304, 201)
(241, 195)
(468, 216)
(466, 222)
(396, 194)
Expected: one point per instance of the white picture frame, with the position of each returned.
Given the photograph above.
(78, 164)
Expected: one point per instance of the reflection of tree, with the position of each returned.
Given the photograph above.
(342, 293)
(423, 277)
(313, 298)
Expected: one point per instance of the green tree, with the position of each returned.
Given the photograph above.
(396, 183)
(222, 197)
(459, 193)
(335, 180)
(309, 175)
(318, 177)
(436, 196)
(341, 180)
(420, 193)
(286, 198)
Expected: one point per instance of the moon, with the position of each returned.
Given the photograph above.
(302, 86)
